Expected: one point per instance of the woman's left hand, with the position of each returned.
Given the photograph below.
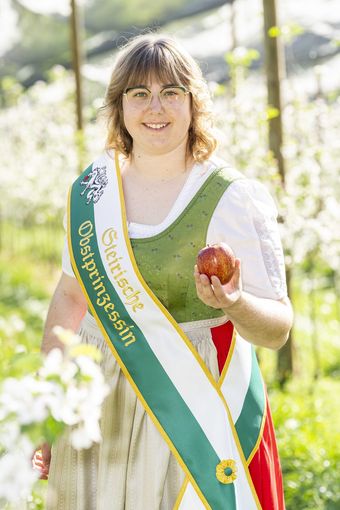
(215, 294)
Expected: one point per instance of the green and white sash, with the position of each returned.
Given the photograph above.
(197, 417)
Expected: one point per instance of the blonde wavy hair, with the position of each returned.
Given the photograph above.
(153, 55)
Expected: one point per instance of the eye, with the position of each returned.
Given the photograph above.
(139, 93)
(136, 94)
(171, 92)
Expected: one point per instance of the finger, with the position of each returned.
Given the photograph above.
(208, 295)
(197, 280)
(238, 272)
(197, 275)
(200, 276)
(205, 280)
(205, 283)
(236, 281)
(237, 267)
(204, 289)
(37, 458)
(37, 465)
(40, 465)
(218, 290)
(37, 451)
(38, 461)
(202, 282)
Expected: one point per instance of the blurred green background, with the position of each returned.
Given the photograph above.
(43, 150)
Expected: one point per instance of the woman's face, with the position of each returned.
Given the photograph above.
(158, 127)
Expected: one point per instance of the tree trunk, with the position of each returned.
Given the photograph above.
(275, 71)
(76, 61)
(232, 24)
(76, 46)
(285, 356)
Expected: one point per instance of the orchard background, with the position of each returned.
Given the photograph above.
(43, 150)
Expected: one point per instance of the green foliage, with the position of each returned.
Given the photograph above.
(288, 32)
(18, 237)
(36, 500)
(117, 15)
(44, 41)
(272, 113)
(10, 91)
(23, 362)
(306, 414)
(316, 332)
(24, 293)
(242, 57)
(307, 429)
(274, 31)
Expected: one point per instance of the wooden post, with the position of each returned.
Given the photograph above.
(232, 20)
(76, 31)
(275, 71)
(76, 61)
(285, 356)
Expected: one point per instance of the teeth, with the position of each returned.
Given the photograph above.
(156, 126)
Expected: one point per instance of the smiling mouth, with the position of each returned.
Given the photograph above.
(156, 126)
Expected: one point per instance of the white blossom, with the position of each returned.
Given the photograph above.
(16, 474)
(70, 388)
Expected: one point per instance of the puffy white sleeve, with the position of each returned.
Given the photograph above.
(66, 261)
(246, 219)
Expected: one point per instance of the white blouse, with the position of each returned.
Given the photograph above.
(245, 219)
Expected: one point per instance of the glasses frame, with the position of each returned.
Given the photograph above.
(185, 90)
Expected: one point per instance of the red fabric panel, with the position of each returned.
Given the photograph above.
(222, 337)
(265, 469)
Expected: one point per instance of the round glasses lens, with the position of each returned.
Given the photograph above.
(138, 98)
(173, 96)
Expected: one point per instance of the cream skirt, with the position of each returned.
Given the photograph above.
(132, 468)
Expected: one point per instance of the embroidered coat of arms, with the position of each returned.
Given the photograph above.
(94, 183)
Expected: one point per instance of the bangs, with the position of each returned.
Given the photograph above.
(155, 62)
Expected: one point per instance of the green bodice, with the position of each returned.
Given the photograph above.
(167, 260)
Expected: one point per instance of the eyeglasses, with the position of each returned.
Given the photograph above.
(171, 97)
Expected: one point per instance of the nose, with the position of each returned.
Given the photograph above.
(155, 103)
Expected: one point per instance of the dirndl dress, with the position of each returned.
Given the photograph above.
(132, 468)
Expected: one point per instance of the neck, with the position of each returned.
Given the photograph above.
(160, 167)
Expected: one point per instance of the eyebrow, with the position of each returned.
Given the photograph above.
(164, 86)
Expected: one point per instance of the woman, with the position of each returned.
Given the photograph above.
(187, 423)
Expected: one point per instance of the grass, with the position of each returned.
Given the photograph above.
(306, 413)
(315, 333)
(307, 428)
(26, 286)
(34, 243)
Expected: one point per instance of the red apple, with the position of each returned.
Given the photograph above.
(217, 260)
